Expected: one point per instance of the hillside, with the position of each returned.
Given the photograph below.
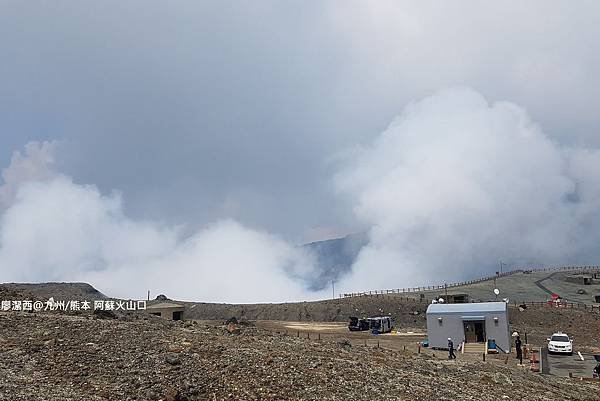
(407, 309)
(528, 286)
(409, 313)
(43, 291)
(334, 257)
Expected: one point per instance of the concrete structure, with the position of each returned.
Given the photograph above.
(581, 279)
(166, 310)
(470, 322)
(454, 298)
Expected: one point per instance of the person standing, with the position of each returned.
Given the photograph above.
(519, 351)
(451, 349)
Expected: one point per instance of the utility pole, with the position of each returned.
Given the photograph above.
(332, 289)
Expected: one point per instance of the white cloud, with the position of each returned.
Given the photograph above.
(37, 164)
(456, 184)
(57, 230)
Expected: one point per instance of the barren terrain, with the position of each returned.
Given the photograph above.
(297, 351)
(58, 357)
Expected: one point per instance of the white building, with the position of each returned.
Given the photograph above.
(471, 322)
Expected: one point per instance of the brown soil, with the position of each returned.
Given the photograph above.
(407, 312)
(540, 323)
(55, 357)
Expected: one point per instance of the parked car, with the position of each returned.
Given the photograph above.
(560, 343)
(357, 324)
(380, 324)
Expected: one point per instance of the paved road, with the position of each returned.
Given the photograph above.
(541, 286)
(562, 365)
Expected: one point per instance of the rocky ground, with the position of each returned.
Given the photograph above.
(582, 325)
(405, 311)
(58, 357)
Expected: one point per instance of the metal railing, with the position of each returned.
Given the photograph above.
(590, 307)
(463, 283)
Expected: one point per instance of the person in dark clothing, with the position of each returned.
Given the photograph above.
(451, 349)
(596, 371)
(519, 351)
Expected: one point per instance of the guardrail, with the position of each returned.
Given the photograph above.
(463, 283)
(558, 268)
(546, 304)
(559, 305)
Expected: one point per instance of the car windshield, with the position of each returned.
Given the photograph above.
(560, 339)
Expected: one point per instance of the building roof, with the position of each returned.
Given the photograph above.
(165, 305)
(479, 307)
(453, 294)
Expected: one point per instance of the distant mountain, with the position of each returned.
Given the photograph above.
(335, 258)
(60, 291)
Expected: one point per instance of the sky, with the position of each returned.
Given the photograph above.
(278, 123)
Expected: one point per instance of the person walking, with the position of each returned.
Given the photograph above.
(519, 350)
(451, 349)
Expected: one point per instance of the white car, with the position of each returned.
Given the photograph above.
(560, 343)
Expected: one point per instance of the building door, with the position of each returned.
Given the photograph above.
(474, 331)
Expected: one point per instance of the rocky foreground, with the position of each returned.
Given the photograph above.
(58, 357)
